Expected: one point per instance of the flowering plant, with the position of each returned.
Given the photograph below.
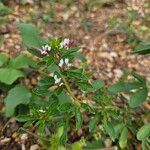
(70, 109)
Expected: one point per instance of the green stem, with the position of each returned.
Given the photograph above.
(75, 100)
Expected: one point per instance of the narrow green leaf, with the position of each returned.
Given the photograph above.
(46, 81)
(138, 77)
(40, 90)
(63, 138)
(123, 138)
(35, 51)
(79, 118)
(143, 50)
(23, 118)
(138, 97)
(94, 121)
(53, 68)
(118, 128)
(80, 56)
(9, 75)
(109, 129)
(65, 107)
(144, 132)
(77, 74)
(98, 84)
(87, 107)
(16, 96)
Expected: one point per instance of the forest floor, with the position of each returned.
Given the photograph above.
(107, 51)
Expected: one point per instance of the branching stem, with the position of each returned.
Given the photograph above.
(75, 100)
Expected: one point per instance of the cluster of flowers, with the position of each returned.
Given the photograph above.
(63, 62)
(46, 48)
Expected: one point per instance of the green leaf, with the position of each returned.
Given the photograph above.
(69, 52)
(138, 77)
(94, 145)
(123, 138)
(124, 87)
(146, 144)
(76, 74)
(77, 145)
(46, 81)
(63, 138)
(144, 132)
(98, 84)
(64, 98)
(143, 49)
(3, 59)
(30, 36)
(23, 118)
(138, 97)
(53, 68)
(21, 61)
(110, 129)
(18, 95)
(4, 87)
(80, 56)
(65, 107)
(40, 90)
(118, 128)
(85, 86)
(35, 51)
(94, 121)
(79, 118)
(28, 123)
(87, 107)
(9, 75)
(4, 10)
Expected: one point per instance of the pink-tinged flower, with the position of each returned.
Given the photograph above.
(65, 43)
(45, 49)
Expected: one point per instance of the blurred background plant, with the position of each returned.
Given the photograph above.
(134, 22)
(4, 11)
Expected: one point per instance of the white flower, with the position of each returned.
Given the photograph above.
(65, 43)
(57, 80)
(67, 62)
(43, 52)
(45, 49)
(61, 63)
(42, 111)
